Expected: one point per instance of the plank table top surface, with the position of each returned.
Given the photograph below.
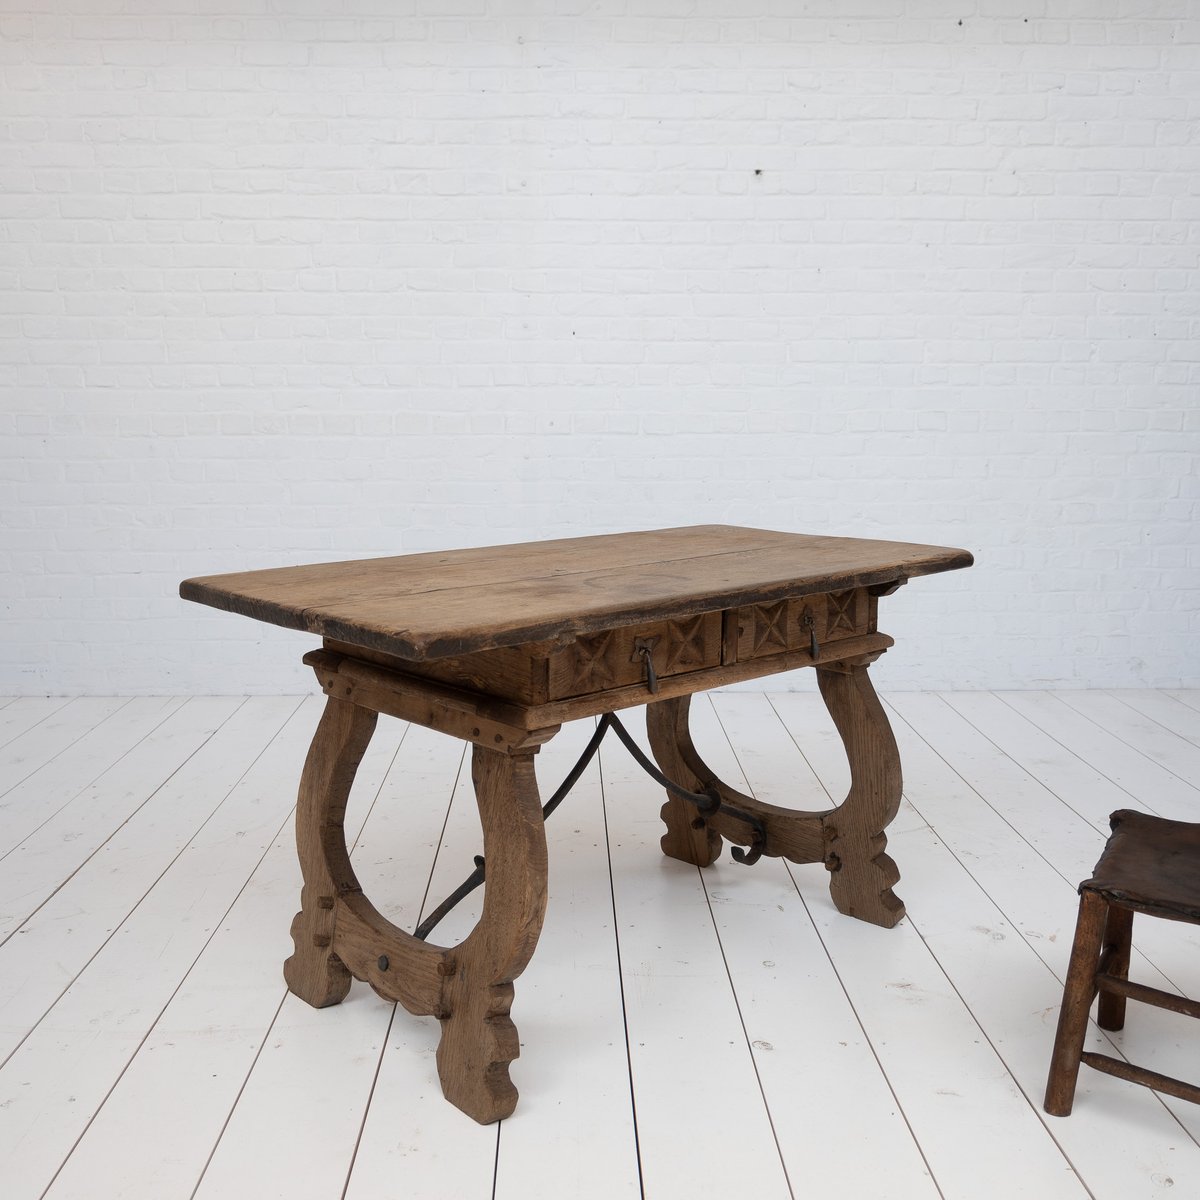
(434, 605)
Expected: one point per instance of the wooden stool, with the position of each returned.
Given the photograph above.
(1152, 866)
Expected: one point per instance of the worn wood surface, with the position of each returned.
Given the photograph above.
(479, 1039)
(849, 839)
(314, 972)
(413, 695)
(1078, 995)
(433, 605)
(339, 933)
(484, 720)
(861, 872)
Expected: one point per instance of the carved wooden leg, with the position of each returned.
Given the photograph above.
(689, 837)
(849, 839)
(479, 1039)
(314, 972)
(339, 934)
(789, 833)
(861, 873)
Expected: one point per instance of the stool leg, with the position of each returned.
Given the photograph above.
(1077, 999)
(1118, 939)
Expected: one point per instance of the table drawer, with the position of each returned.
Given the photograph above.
(612, 659)
(764, 629)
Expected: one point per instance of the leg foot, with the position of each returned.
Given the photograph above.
(689, 837)
(313, 972)
(478, 1042)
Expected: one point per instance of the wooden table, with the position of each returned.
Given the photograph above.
(500, 646)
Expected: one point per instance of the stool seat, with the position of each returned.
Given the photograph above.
(1151, 865)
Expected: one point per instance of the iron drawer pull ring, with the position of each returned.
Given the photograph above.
(643, 648)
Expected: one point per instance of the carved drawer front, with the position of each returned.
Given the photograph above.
(764, 629)
(614, 658)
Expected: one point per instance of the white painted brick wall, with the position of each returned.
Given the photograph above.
(287, 280)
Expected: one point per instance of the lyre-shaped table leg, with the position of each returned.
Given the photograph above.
(849, 839)
(339, 934)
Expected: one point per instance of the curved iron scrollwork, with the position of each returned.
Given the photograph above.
(708, 803)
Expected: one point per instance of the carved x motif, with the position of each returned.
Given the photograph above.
(685, 644)
(841, 612)
(770, 627)
(593, 666)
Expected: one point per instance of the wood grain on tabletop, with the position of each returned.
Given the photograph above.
(437, 604)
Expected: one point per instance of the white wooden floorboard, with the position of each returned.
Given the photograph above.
(295, 1124)
(1159, 790)
(1164, 955)
(1077, 782)
(1014, 999)
(292, 1134)
(56, 732)
(40, 793)
(1018, 795)
(1030, 909)
(412, 1142)
(213, 1027)
(573, 1131)
(1172, 752)
(1086, 788)
(21, 714)
(78, 1050)
(1188, 696)
(1080, 785)
(41, 862)
(689, 1053)
(1048, 827)
(819, 1072)
(1169, 711)
(976, 1129)
(56, 944)
(777, 1048)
